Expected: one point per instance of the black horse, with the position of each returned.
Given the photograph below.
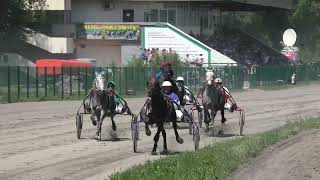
(162, 111)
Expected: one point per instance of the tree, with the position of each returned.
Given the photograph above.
(306, 21)
(18, 13)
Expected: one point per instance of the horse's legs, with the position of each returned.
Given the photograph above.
(174, 124)
(206, 117)
(156, 139)
(99, 124)
(148, 132)
(114, 127)
(223, 120)
(92, 117)
(206, 113)
(213, 114)
(164, 135)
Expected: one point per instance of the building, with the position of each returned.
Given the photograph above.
(59, 35)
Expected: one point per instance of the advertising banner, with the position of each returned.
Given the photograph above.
(108, 31)
(165, 38)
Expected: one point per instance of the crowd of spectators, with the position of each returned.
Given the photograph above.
(148, 55)
(240, 47)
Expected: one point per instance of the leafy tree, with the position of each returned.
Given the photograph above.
(18, 13)
(306, 21)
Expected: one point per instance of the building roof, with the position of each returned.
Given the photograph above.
(235, 4)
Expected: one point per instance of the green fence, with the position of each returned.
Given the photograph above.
(280, 75)
(31, 83)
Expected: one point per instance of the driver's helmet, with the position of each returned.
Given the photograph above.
(218, 80)
(166, 84)
(111, 84)
(180, 80)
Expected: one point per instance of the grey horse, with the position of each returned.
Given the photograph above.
(213, 100)
(102, 104)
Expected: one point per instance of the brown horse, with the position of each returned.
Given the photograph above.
(162, 111)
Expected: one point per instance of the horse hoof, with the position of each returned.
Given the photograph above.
(164, 152)
(148, 132)
(223, 120)
(180, 140)
(94, 122)
(114, 128)
(154, 153)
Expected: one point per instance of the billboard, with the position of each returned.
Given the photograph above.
(182, 44)
(126, 32)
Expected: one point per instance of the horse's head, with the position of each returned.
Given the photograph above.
(166, 68)
(153, 83)
(209, 76)
(99, 82)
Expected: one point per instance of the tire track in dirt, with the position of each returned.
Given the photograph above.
(44, 146)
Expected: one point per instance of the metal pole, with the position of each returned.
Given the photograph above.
(45, 81)
(107, 73)
(62, 91)
(70, 81)
(37, 83)
(79, 81)
(120, 81)
(9, 95)
(54, 81)
(18, 74)
(86, 81)
(28, 81)
(126, 79)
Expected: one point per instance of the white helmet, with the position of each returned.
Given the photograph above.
(218, 80)
(180, 78)
(166, 84)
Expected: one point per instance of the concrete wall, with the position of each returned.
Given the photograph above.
(94, 11)
(58, 5)
(61, 30)
(127, 51)
(106, 53)
(51, 44)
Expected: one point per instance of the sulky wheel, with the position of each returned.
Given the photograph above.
(196, 136)
(200, 116)
(135, 133)
(79, 121)
(191, 119)
(241, 121)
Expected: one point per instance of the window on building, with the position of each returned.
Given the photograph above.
(147, 17)
(163, 15)
(128, 15)
(154, 15)
(172, 16)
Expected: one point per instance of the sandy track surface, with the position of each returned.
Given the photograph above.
(38, 140)
(294, 159)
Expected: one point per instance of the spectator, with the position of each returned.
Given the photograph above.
(200, 61)
(188, 59)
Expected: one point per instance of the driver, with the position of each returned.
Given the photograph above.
(227, 96)
(167, 90)
(111, 87)
(182, 94)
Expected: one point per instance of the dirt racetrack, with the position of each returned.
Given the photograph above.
(38, 139)
(294, 159)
